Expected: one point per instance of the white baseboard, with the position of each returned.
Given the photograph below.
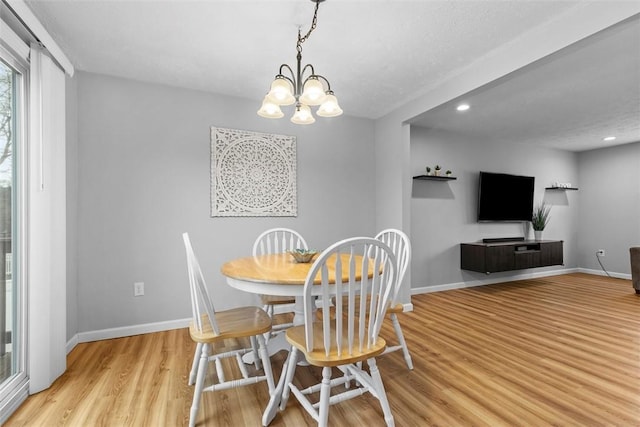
(602, 273)
(489, 281)
(125, 331)
(72, 343)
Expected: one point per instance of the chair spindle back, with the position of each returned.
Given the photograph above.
(400, 244)
(201, 305)
(361, 273)
(278, 240)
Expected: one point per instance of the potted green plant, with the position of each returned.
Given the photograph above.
(448, 173)
(428, 170)
(436, 171)
(540, 219)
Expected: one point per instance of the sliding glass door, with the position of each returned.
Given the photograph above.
(12, 325)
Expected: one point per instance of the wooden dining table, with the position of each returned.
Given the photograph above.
(279, 275)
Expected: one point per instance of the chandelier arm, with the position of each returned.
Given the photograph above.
(313, 72)
(286, 67)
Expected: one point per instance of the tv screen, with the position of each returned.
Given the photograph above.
(504, 197)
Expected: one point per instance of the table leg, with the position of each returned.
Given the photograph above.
(298, 311)
(278, 342)
(275, 344)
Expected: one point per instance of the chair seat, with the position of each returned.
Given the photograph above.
(276, 300)
(234, 323)
(296, 337)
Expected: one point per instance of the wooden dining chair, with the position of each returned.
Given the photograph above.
(400, 244)
(341, 342)
(209, 327)
(273, 241)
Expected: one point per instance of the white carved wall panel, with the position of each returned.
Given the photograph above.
(252, 173)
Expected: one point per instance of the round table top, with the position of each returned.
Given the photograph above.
(278, 269)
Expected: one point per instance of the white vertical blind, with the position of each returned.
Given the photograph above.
(46, 241)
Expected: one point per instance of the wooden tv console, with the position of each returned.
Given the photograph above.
(493, 257)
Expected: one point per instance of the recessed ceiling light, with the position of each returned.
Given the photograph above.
(609, 138)
(462, 107)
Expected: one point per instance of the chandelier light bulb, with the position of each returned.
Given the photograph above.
(329, 107)
(281, 92)
(303, 115)
(312, 92)
(270, 110)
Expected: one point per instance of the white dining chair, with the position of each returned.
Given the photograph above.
(273, 241)
(209, 327)
(400, 244)
(346, 339)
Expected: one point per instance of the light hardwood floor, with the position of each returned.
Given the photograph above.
(561, 350)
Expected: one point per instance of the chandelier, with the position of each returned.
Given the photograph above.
(302, 91)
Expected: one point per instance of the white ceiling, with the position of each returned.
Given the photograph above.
(376, 54)
(569, 100)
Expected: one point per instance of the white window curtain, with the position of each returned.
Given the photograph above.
(46, 222)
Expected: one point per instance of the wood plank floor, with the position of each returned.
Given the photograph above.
(561, 351)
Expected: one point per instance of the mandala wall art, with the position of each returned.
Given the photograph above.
(252, 174)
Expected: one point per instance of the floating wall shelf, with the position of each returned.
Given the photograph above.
(434, 178)
(561, 188)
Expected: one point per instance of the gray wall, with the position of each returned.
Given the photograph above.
(609, 206)
(443, 214)
(143, 179)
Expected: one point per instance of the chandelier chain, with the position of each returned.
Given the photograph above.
(314, 23)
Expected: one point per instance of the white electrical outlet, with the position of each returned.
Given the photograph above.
(138, 289)
(600, 252)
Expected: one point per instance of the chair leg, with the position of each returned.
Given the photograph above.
(382, 394)
(292, 363)
(266, 362)
(197, 393)
(276, 396)
(194, 365)
(268, 308)
(401, 340)
(255, 351)
(325, 394)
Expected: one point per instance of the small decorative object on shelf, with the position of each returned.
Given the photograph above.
(434, 175)
(561, 186)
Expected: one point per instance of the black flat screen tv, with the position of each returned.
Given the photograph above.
(504, 197)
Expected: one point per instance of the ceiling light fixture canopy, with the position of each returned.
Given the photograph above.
(304, 88)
